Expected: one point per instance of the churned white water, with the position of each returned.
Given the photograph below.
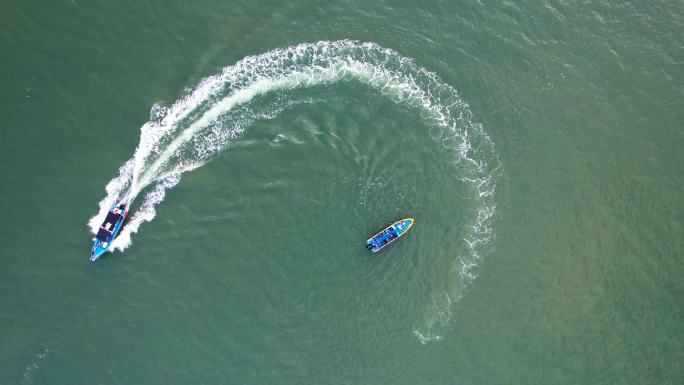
(187, 134)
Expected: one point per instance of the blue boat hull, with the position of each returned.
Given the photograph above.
(108, 232)
(388, 235)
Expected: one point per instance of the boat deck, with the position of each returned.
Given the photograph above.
(388, 235)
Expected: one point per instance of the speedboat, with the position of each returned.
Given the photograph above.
(388, 235)
(108, 231)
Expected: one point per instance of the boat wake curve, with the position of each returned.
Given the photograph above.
(187, 134)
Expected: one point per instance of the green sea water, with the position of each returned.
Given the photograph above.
(536, 144)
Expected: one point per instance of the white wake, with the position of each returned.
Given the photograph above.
(190, 132)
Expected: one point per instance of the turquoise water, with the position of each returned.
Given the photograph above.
(536, 145)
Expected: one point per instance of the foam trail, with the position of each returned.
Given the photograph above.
(190, 132)
(115, 189)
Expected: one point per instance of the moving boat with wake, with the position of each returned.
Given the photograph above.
(388, 235)
(108, 231)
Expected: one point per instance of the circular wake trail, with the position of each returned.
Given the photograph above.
(190, 132)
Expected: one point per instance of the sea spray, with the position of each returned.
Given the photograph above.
(185, 135)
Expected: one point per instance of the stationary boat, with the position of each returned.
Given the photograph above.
(108, 231)
(388, 235)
